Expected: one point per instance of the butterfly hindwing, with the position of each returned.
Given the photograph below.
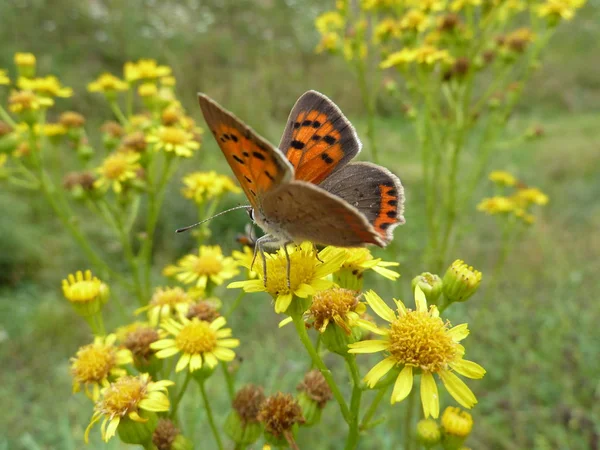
(258, 166)
(374, 191)
(318, 139)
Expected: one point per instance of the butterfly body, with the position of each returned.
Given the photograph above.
(307, 188)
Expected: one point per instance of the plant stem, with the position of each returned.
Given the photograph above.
(303, 335)
(177, 400)
(229, 380)
(408, 419)
(209, 415)
(373, 407)
(235, 304)
(353, 435)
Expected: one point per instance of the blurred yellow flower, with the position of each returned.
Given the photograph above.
(427, 55)
(518, 39)
(307, 274)
(558, 9)
(496, 205)
(4, 80)
(329, 21)
(85, 292)
(48, 86)
(203, 186)
(329, 43)
(528, 196)
(209, 264)
(529, 219)
(200, 343)
(25, 59)
(147, 90)
(125, 399)
(386, 29)
(107, 83)
(379, 4)
(54, 129)
(414, 20)
(145, 69)
(117, 169)
(71, 119)
(24, 101)
(502, 178)
(95, 363)
(165, 303)
(174, 140)
(169, 81)
(428, 5)
(419, 341)
(456, 422)
(458, 5)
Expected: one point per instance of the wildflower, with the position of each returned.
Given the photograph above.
(114, 129)
(24, 101)
(79, 182)
(117, 169)
(428, 433)
(200, 343)
(430, 284)
(4, 80)
(330, 42)
(25, 63)
(130, 400)
(337, 306)
(108, 84)
(85, 292)
(135, 142)
(314, 395)
(518, 39)
(48, 86)
(167, 436)
(555, 10)
(426, 55)
(386, 29)
(502, 178)
(448, 22)
(458, 5)
(279, 413)
(457, 426)
(203, 186)
(329, 21)
(203, 310)
(70, 119)
(414, 20)
(428, 5)
(147, 90)
(306, 277)
(209, 264)
(527, 218)
(169, 81)
(419, 340)
(145, 69)
(53, 130)
(124, 330)
(165, 303)
(171, 115)
(95, 363)
(174, 140)
(140, 122)
(242, 424)
(460, 281)
(531, 195)
(138, 342)
(496, 205)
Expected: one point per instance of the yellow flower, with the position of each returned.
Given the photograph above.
(116, 169)
(306, 276)
(54, 129)
(386, 29)
(165, 303)
(529, 219)
(329, 43)
(414, 20)
(95, 363)
(200, 343)
(457, 422)
(419, 342)
(4, 80)
(329, 21)
(145, 69)
(244, 258)
(427, 55)
(169, 81)
(125, 399)
(48, 86)
(335, 305)
(107, 83)
(460, 281)
(496, 205)
(558, 9)
(428, 5)
(147, 90)
(518, 39)
(23, 101)
(458, 5)
(25, 59)
(209, 264)
(174, 140)
(379, 4)
(72, 119)
(203, 186)
(502, 178)
(85, 292)
(528, 196)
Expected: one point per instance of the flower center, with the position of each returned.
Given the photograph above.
(419, 340)
(84, 291)
(93, 363)
(332, 304)
(173, 136)
(123, 396)
(207, 265)
(114, 167)
(170, 297)
(196, 337)
(303, 270)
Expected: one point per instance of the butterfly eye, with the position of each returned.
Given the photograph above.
(250, 212)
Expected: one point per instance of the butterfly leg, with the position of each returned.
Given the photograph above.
(316, 250)
(289, 263)
(259, 248)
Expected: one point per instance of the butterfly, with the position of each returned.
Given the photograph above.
(307, 189)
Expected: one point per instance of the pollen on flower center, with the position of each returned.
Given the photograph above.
(207, 265)
(93, 364)
(175, 136)
(277, 278)
(419, 340)
(196, 337)
(123, 396)
(114, 167)
(332, 305)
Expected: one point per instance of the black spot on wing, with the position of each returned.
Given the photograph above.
(329, 139)
(258, 156)
(238, 159)
(325, 157)
(269, 176)
(297, 144)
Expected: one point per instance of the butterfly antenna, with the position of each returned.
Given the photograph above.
(181, 230)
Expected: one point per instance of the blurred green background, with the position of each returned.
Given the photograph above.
(536, 332)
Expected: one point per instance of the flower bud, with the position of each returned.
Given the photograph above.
(457, 426)
(242, 424)
(430, 284)
(428, 433)
(281, 415)
(336, 340)
(314, 395)
(460, 282)
(133, 432)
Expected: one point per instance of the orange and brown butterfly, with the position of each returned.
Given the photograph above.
(307, 189)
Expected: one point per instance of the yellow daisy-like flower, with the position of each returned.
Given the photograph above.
(244, 258)
(117, 169)
(85, 292)
(174, 140)
(165, 303)
(200, 343)
(145, 69)
(335, 305)
(107, 83)
(308, 271)
(502, 178)
(4, 80)
(329, 43)
(458, 5)
(414, 20)
(125, 399)
(147, 90)
(209, 264)
(496, 205)
(426, 55)
(54, 129)
(329, 21)
(95, 363)
(529, 196)
(25, 59)
(419, 342)
(48, 86)
(457, 422)
(428, 5)
(559, 9)
(360, 259)
(203, 186)
(22, 101)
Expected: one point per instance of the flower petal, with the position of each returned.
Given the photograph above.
(228, 343)
(458, 389)
(224, 354)
(219, 322)
(283, 302)
(378, 371)
(379, 306)
(162, 343)
(459, 332)
(285, 321)
(403, 385)
(112, 428)
(468, 368)
(429, 396)
(371, 346)
(370, 326)
(165, 353)
(183, 362)
(420, 300)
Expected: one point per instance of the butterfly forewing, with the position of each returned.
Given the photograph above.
(374, 191)
(318, 139)
(258, 166)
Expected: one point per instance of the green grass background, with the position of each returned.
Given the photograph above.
(536, 332)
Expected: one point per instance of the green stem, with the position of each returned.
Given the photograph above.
(209, 415)
(353, 435)
(235, 304)
(373, 407)
(369, 102)
(177, 400)
(303, 335)
(6, 117)
(408, 419)
(117, 112)
(229, 380)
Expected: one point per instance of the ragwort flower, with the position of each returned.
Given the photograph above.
(145, 69)
(174, 140)
(107, 83)
(48, 86)
(203, 186)
(502, 178)
(4, 80)
(85, 292)
(167, 302)
(118, 169)
(200, 343)
(419, 342)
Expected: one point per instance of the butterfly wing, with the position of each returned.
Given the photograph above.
(374, 191)
(258, 166)
(318, 139)
(305, 212)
